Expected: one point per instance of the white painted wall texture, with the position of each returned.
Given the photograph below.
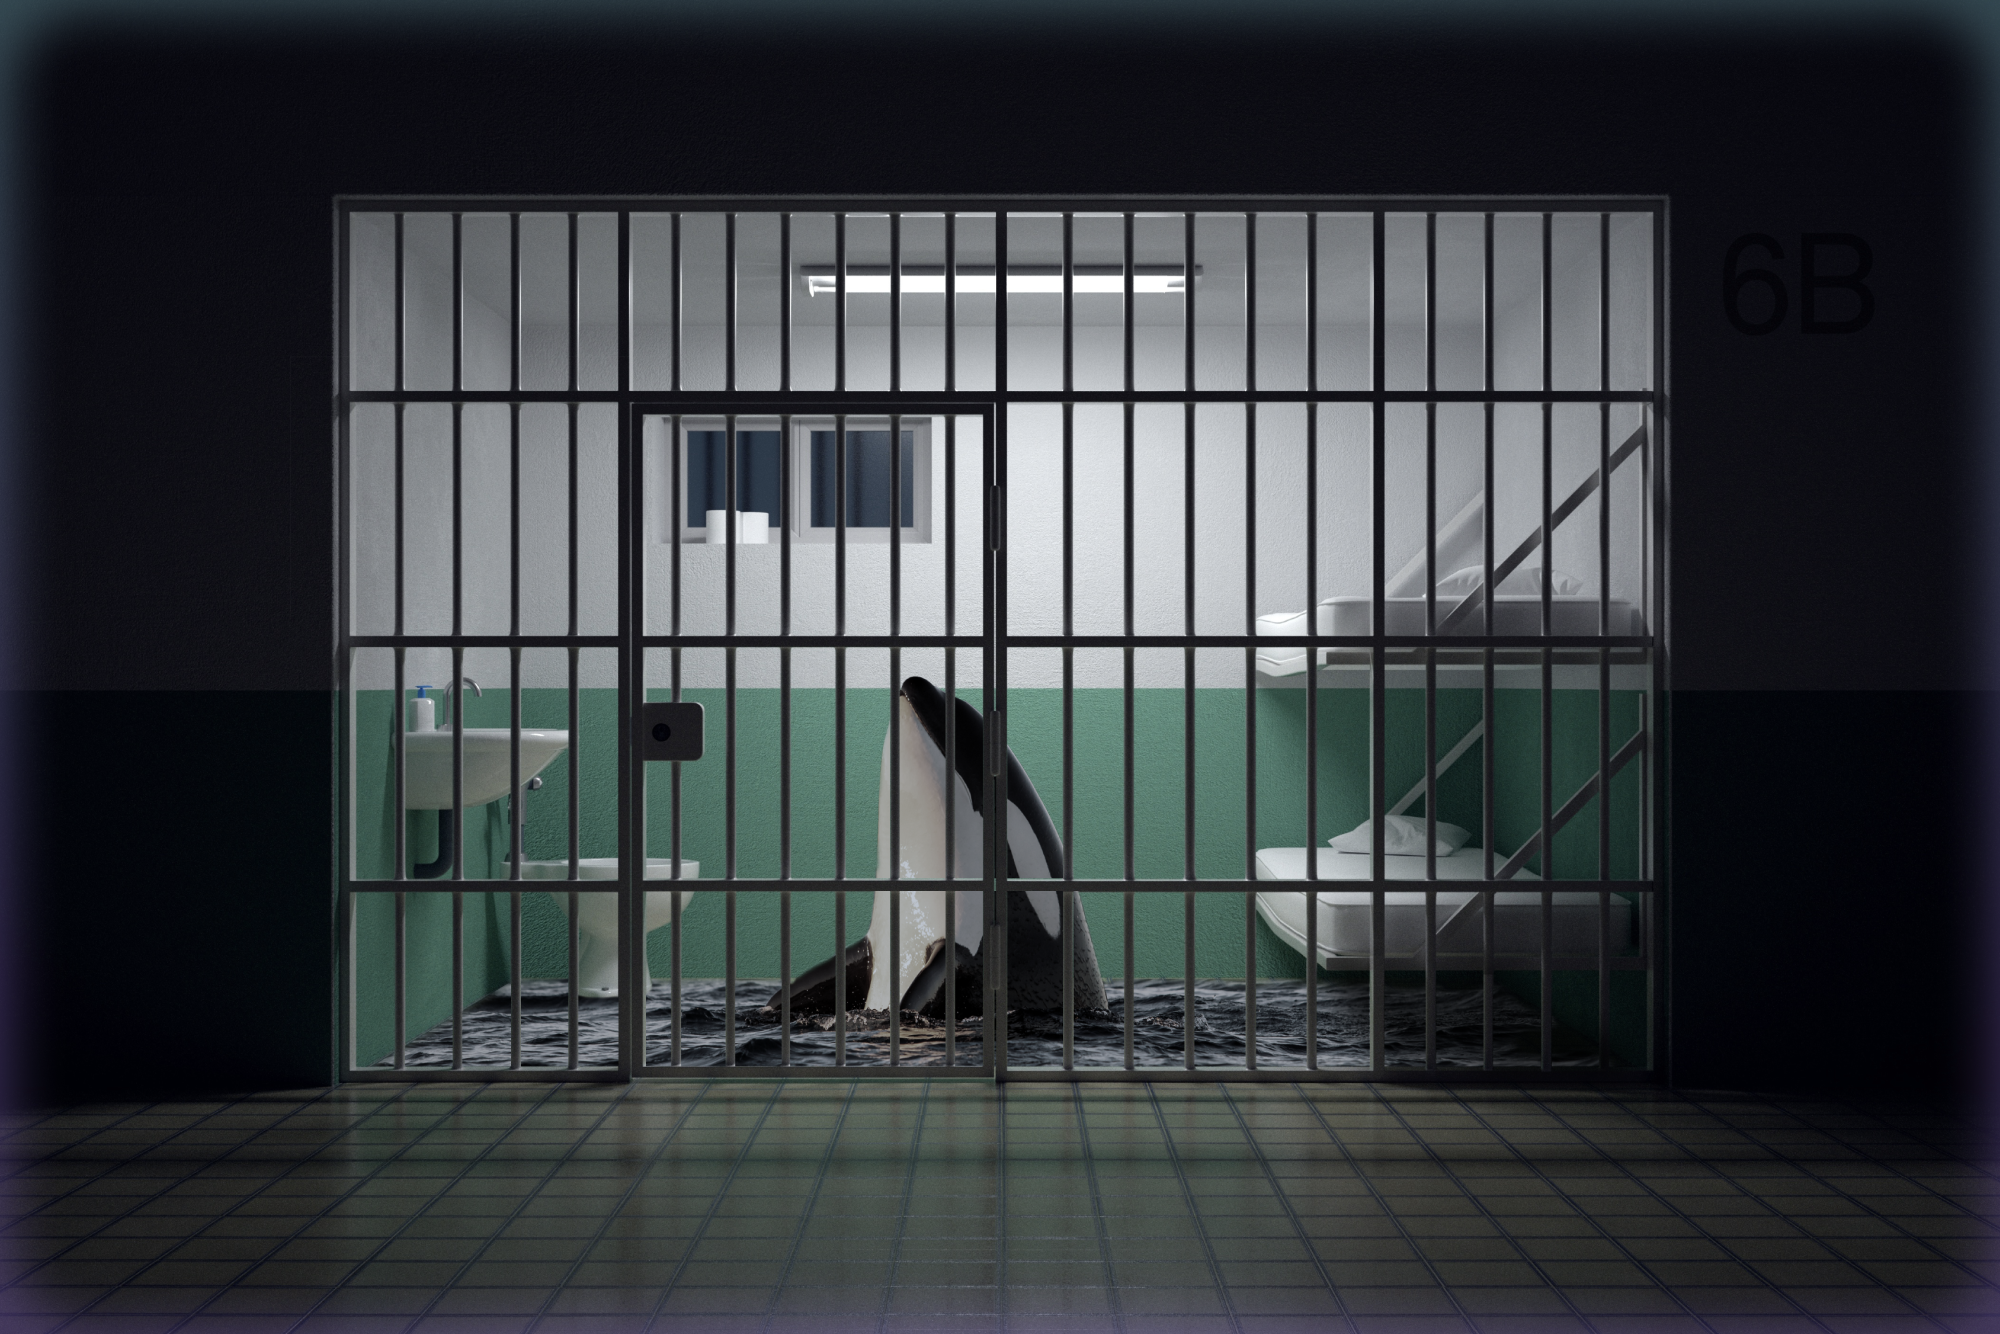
(1223, 599)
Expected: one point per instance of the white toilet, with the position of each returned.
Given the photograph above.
(597, 914)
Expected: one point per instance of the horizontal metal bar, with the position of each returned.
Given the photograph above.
(1468, 642)
(822, 885)
(473, 1074)
(971, 400)
(480, 641)
(811, 641)
(975, 204)
(1475, 961)
(1234, 1074)
(849, 1071)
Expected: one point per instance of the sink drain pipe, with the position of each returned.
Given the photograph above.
(438, 869)
(433, 870)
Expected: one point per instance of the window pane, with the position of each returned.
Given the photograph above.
(868, 483)
(757, 475)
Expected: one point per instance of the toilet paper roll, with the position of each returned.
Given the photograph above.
(753, 528)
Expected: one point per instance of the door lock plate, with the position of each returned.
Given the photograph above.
(670, 731)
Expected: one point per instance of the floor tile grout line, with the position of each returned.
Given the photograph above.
(811, 1202)
(1429, 1151)
(604, 1225)
(1778, 1155)
(1799, 1164)
(1298, 1228)
(903, 1218)
(200, 1165)
(1193, 1208)
(1001, 1232)
(1851, 1265)
(128, 1161)
(471, 1098)
(1430, 1266)
(1097, 1209)
(284, 1175)
(562, 1159)
(721, 1192)
(1654, 1195)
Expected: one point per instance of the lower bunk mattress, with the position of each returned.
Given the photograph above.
(1346, 916)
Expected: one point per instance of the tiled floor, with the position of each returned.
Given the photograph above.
(957, 1206)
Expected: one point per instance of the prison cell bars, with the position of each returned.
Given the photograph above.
(1377, 663)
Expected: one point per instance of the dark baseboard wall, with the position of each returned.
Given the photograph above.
(180, 891)
(1823, 873)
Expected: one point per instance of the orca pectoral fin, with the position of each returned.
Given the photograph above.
(812, 991)
(957, 967)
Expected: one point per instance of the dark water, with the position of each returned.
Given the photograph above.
(1032, 1039)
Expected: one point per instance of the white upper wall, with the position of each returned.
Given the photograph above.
(1224, 600)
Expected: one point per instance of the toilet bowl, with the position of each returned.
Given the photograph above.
(597, 914)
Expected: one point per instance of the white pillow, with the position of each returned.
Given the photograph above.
(1402, 836)
(1524, 582)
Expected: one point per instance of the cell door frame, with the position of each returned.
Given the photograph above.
(636, 494)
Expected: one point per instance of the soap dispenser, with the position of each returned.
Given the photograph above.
(423, 712)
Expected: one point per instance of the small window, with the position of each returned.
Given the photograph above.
(876, 473)
(759, 477)
(880, 481)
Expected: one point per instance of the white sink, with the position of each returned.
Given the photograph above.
(427, 764)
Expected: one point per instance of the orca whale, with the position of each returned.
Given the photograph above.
(926, 961)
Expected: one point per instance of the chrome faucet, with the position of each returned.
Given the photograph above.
(447, 706)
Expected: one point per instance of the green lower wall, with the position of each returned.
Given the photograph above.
(1096, 843)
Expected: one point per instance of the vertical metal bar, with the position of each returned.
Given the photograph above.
(840, 690)
(1188, 650)
(632, 970)
(895, 634)
(576, 309)
(729, 309)
(895, 723)
(457, 649)
(950, 668)
(895, 309)
(1130, 701)
(840, 303)
(572, 928)
(402, 298)
(401, 725)
(1064, 900)
(1377, 668)
(675, 299)
(1250, 695)
(1000, 857)
(1604, 654)
(732, 530)
(1312, 643)
(571, 942)
(786, 499)
(1430, 704)
(1489, 739)
(1130, 379)
(517, 801)
(1548, 704)
(676, 425)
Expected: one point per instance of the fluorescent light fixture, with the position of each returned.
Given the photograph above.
(1022, 279)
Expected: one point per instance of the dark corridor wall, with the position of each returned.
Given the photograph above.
(177, 328)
